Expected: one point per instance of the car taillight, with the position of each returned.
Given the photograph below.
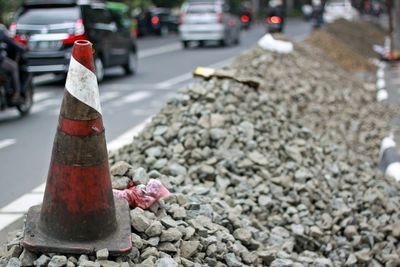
(79, 33)
(13, 29)
(245, 18)
(22, 39)
(274, 20)
(155, 20)
(220, 17)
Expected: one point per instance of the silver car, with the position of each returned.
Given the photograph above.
(208, 21)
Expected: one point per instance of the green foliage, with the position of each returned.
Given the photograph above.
(7, 9)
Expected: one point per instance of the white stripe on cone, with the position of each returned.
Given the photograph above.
(82, 84)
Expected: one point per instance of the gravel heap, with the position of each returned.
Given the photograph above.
(340, 52)
(252, 183)
(320, 95)
(360, 35)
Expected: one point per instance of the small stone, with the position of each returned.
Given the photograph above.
(82, 258)
(297, 229)
(217, 134)
(178, 212)
(351, 260)
(58, 261)
(153, 152)
(258, 158)
(102, 254)
(106, 263)
(43, 260)
(27, 258)
(150, 251)
(70, 264)
(153, 241)
(120, 183)
(350, 231)
(137, 241)
(243, 235)
(217, 120)
(160, 130)
(154, 229)
(169, 222)
(14, 262)
(140, 176)
(167, 247)
(189, 248)
(14, 251)
(323, 262)
(176, 169)
(166, 262)
(363, 256)
(232, 261)
(120, 168)
(139, 220)
(172, 234)
(88, 264)
(159, 164)
(282, 263)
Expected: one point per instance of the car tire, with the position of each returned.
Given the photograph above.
(98, 63)
(185, 44)
(132, 65)
(26, 106)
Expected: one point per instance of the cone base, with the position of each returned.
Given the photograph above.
(117, 243)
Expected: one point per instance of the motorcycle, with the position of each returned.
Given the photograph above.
(6, 85)
(275, 24)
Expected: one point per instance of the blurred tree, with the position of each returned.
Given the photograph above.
(7, 8)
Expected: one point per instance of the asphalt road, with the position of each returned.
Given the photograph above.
(127, 101)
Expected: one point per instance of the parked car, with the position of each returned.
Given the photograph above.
(337, 9)
(158, 21)
(50, 28)
(208, 21)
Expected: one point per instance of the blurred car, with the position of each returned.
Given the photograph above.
(158, 21)
(339, 9)
(208, 21)
(50, 28)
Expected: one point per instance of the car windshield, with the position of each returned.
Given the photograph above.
(45, 16)
(201, 9)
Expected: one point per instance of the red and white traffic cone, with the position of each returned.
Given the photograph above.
(78, 214)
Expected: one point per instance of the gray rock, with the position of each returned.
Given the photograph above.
(282, 263)
(167, 247)
(171, 234)
(140, 176)
(166, 262)
(323, 262)
(217, 120)
(14, 262)
(189, 248)
(102, 254)
(43, 260)
(159, 164)
(154, 152)
(169, 222)
(120, 168)
(27, 258)
(58, 261)
(154, 229)
(258, 158)
(176, 169)
(139, 220)
(232, 261)
(243, 235)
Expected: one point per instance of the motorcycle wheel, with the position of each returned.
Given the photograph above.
(27, 97)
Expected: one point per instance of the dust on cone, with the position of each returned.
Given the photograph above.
(78, 214)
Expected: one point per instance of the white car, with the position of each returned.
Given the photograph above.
(339, 9)
(208, 21)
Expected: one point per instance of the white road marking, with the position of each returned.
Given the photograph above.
(39, 96)
(131, 98)
(7, 142)
(22, 204)
(159, 50)
(107, 96)
(7, 219)
(40, 188)
(44, 105)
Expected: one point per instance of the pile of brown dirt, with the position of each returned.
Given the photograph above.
(341, 53)
(360, 36)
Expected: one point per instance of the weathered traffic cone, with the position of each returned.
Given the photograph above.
(78, 214)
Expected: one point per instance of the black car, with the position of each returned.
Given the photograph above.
(50, 28)
(159, 21)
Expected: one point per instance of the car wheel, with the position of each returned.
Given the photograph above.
(99, 69)
(185, 44)
(132, 65)
(27, 97)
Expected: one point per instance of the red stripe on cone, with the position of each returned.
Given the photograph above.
(83, 53)
(80, 128)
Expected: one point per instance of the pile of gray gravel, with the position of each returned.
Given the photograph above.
(253, 184)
